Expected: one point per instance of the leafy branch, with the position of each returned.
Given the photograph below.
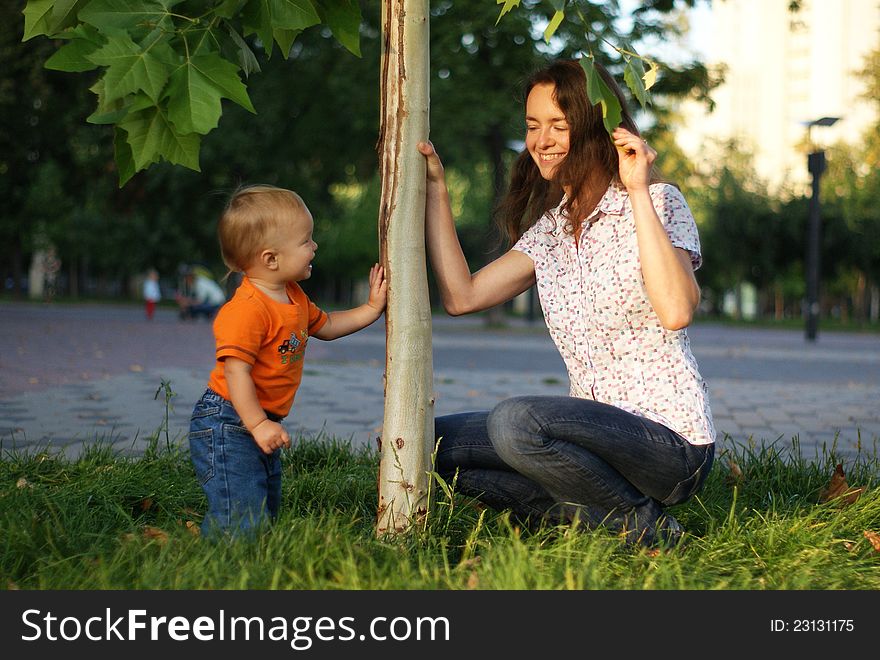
(637, 78)
(166, 65)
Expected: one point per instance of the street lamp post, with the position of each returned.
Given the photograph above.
(815, 166)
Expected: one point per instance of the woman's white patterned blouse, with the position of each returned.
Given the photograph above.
(599, 315)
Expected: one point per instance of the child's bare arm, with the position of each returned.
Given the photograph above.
(344, 323)
(268, 435)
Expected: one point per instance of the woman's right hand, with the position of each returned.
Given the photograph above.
(435, 167)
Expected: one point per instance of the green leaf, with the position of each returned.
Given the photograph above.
(343, 17)
(73, 57)
(593, 92)
(599, 92)
(37, 17)
(555, 22)
(123, 157)
(634, 76)
(264, 17)
(612, 113)
(285, 39)
(113, 111)
(128, 15)
(131, 68)
(246, 58)
(508, 6)
(64, 13)
(229, 8)
(152, 137)
(196, 88)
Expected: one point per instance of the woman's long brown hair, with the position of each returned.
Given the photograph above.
(589, 167)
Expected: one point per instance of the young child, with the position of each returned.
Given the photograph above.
(152, 293)
(261, 335)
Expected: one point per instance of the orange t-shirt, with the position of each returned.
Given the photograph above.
(269, 335)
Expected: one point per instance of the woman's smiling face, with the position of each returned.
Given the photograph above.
(547, 130)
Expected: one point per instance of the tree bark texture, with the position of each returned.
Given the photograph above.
(408, 427)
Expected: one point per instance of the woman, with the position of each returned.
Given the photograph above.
(613, 252)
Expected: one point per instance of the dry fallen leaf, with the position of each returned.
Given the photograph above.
(874, 538)
(734, 475)
(839, 490)
(653, 552)
(151, 533)
(193, 528)
(473, 562)
(23, 483)
(473, 580)
(146, 504)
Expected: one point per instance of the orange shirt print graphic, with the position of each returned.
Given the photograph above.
(287, 350)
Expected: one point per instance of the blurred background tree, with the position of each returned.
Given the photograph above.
(316, 132)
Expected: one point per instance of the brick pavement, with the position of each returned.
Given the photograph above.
(70, 376)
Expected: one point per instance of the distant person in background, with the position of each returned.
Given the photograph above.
(152, 293)
(202, 296)
(52, 265)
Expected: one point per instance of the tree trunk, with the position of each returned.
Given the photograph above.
(408, 426)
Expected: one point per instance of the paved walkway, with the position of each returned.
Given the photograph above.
(70, 375)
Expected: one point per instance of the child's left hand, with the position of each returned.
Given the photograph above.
(378, 288)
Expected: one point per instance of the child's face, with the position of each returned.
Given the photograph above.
(296, 249)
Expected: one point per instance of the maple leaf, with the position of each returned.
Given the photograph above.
(37, 16)
(195, 90)
(131, 68)
(838, 490)
(151, 136)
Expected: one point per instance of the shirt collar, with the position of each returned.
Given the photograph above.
(613, 202)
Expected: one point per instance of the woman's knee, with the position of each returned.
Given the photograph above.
(514, 428)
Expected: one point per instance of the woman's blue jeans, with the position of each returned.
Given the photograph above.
(561, 459)
(242, 484)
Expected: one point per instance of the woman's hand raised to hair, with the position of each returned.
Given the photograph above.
(636, 158)
(435, 172)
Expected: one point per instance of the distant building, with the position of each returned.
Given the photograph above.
(785, 69)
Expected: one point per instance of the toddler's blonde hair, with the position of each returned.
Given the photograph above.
(253, 213)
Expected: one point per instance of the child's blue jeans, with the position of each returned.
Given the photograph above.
(242, 484)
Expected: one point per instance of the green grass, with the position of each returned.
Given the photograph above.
(79, 525)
